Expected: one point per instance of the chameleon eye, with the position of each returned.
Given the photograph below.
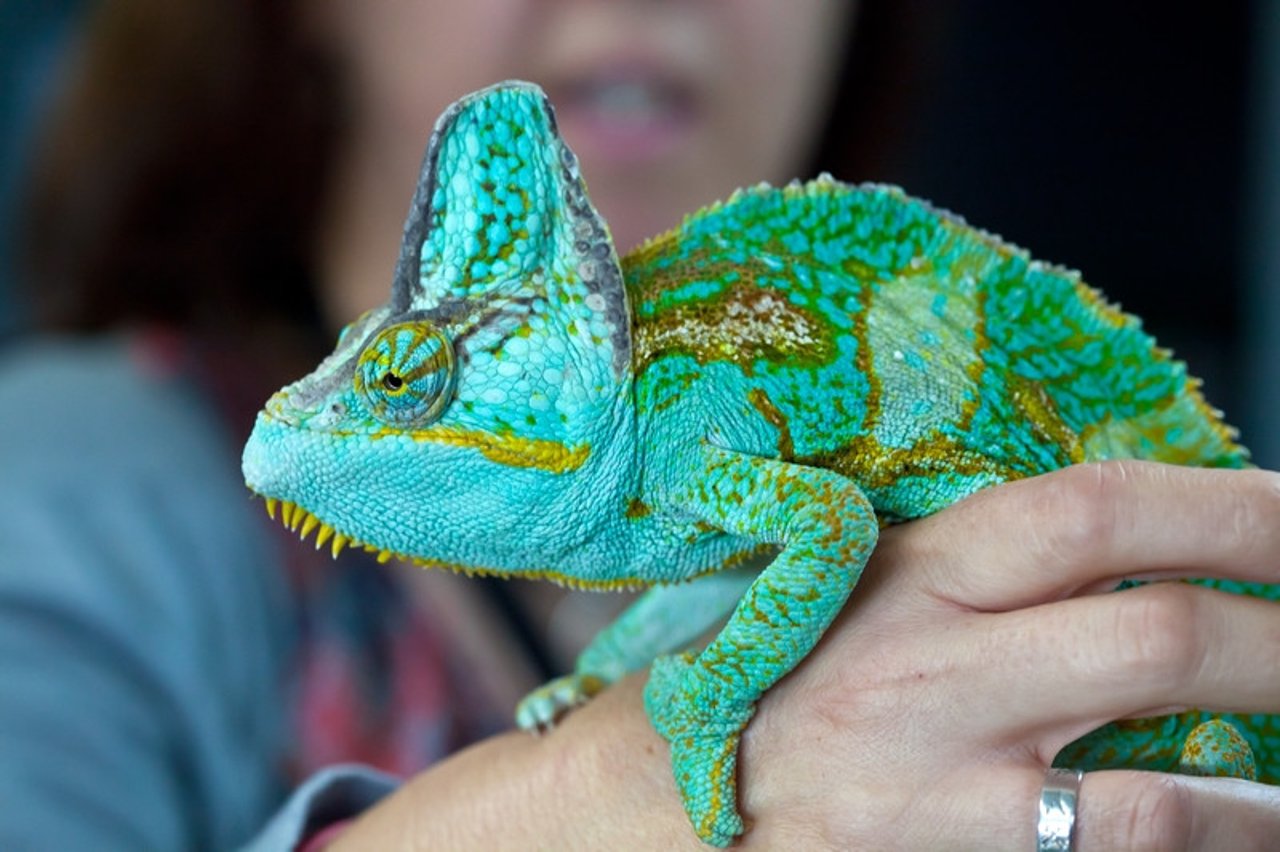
(406, 374)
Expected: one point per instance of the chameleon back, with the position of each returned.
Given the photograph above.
(940, 349)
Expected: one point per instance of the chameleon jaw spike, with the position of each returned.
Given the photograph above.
(295, 518)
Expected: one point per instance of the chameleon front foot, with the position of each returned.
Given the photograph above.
(1216, 748)
(703, 731)
(539, 710)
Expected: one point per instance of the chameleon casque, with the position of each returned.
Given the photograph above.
(781, 374)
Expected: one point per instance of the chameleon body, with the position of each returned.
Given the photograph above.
(778, 376)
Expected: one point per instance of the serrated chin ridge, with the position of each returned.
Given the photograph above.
(297, 519)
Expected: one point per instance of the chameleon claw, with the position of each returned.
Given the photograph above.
(538, 711)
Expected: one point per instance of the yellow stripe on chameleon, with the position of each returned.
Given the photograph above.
(511, 450)
(556, 577)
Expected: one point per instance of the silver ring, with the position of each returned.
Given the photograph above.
(1055, 829)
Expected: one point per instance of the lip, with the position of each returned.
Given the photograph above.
(625, 111)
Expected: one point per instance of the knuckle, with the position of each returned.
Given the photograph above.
(1255, 513)
(1078, 516)
(1160, 817)
(1159, 635)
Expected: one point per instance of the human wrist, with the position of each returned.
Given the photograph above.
(615, 765)
(601, 778)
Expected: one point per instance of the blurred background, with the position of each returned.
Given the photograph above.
(1141, 148)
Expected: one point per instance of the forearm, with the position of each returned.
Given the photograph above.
(600, 779)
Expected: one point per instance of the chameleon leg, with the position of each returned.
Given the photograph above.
(1216, 747)
(701, 704)
(662, 619)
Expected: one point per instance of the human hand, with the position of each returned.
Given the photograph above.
(972, 651)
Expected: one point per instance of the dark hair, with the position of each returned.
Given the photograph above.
(181, 173)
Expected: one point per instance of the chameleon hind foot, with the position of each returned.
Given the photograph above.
(703, 731)
(539, 710)
(1216, 748)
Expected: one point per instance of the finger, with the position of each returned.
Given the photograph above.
(1124, 810)
(1069, 667)
(1089, 526)
(1116, 811)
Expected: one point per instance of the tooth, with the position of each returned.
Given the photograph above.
(385, 556)
(286, 512)
(310, 523)
(298, 514)
(339, 542)
(272, 504)
(323, 535)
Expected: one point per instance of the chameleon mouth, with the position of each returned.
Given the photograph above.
(297, 519)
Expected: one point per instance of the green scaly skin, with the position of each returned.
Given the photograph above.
(777, 376)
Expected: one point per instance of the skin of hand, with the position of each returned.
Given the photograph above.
(978, 643)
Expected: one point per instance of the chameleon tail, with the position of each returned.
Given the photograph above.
(1217, 748)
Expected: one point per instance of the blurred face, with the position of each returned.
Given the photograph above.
(669, 104)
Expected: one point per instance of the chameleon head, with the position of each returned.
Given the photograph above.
(451, 423)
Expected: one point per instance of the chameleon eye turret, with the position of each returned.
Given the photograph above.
(406, 374)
